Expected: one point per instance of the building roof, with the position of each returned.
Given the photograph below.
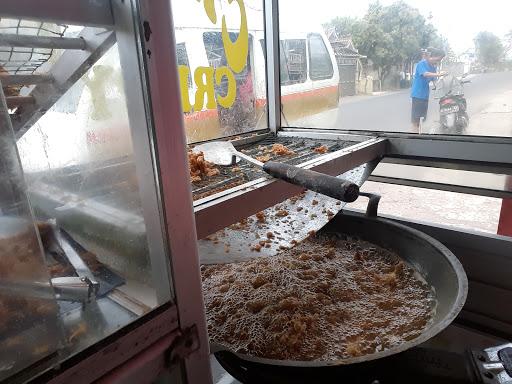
(343, 45)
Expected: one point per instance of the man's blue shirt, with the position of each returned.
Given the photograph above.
(420, 88)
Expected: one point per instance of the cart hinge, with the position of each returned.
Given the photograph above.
(186, 343)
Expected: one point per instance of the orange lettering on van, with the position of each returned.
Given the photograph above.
(228, 99)
(184, 73)
(203, 77)
(237, 51)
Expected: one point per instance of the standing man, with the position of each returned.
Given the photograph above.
(425, 72)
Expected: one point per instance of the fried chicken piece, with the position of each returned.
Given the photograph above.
(321, 149)
(354, 349)
(281, 150)
(199, 167)
(256, 248)
(263, 158)
(77, 332)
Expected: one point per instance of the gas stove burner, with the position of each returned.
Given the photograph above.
(420, 365)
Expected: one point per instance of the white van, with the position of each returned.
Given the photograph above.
(309, 73)
(99, 128)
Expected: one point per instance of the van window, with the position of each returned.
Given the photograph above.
(182, 59)
(320, 65)
(222, 81)
(216, 54)
(294, 65)
(239, 117)
(285, 78)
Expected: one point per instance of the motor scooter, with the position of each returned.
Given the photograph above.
(453, 114)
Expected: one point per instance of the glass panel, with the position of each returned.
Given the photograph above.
(310, 87)
(182, 59)
(297, 64)
(79, 161)
(401, 66)
(321, 65)
(223, 81)
(28, 311)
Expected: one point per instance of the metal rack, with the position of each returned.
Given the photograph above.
(29, 44)
(303, 150)
(29, 48)
(224, 208)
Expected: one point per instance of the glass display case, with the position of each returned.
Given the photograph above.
(84, 247)
(29, 331)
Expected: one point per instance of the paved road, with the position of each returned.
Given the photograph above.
(486, 95)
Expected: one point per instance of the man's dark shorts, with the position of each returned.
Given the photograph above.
(419, 109)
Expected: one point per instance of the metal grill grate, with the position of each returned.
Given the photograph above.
(25, 60)
(244, 172)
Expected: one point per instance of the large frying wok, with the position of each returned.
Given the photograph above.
(436, 263)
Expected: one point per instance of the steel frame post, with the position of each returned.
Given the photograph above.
(51, 42)
(7, 80)
(271, 12)
(129, 45)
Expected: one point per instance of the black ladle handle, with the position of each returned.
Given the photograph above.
(331, 186)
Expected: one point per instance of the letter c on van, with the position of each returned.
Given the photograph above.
(236, 52)
(228, 99)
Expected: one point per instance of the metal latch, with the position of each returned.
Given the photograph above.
(186, 343)
(72, 288)
(83, 288)
(64, 288)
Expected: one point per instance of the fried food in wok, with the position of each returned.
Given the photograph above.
(325, 299)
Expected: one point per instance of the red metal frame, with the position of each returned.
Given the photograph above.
(174, 174)
(145, 367)
(117, 352)
(505, 223)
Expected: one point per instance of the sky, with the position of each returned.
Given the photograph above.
(459, 21)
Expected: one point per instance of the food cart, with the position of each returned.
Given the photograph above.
(103, 232)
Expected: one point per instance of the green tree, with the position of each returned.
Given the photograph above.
(489, 48)
(508, 42)
(344, 26)
(389, 35)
